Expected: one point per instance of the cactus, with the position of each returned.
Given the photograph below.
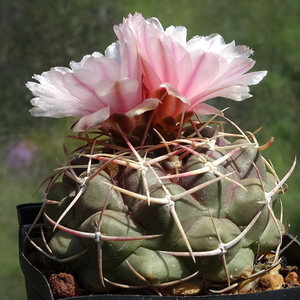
(155, 197)
(157, 215)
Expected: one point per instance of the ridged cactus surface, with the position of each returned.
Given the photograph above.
(151, 216)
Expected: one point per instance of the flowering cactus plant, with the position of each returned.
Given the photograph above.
(156, 196)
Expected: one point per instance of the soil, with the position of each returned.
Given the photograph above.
(63, 285)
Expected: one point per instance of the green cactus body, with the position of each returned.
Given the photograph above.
(193, 206)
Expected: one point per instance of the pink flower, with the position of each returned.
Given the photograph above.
(190, 71)
(147, 68)
(92, 89)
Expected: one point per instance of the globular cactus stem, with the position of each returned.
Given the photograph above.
(151, 216)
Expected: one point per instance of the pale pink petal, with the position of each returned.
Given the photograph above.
(171, 90)
(178, 34)
(85, 95)
(120, 95)
(211, 43)
(50, 82)
(148, 104)
(204, 109)
(231, 51)
(161, 60)
(79, 65)
(53, 99)
(250, 79)
(232, 70)
(234, 92)
(137, 28)
(95, 69)
(92, 119)
(215, 43)
(198, 70)
(130, 65)
(153, 21)
(150, 78)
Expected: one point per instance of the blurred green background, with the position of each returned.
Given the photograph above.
(36, 35)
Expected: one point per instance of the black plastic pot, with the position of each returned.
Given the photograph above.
(37, 287)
